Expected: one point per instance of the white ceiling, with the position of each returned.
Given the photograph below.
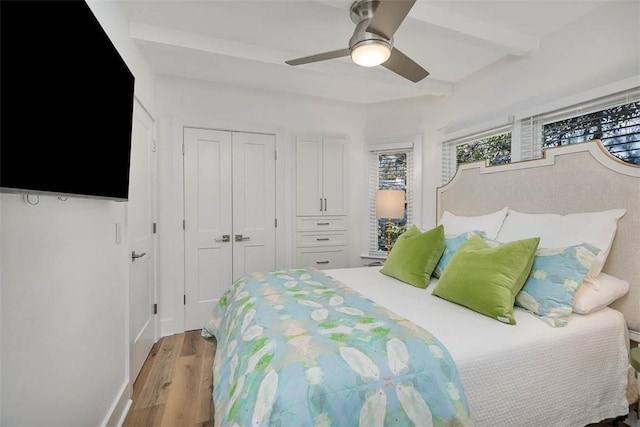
(245, 43)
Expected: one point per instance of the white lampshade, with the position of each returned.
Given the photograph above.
(390, 204)
(370, 53)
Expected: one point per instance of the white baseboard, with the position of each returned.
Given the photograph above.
(125, 412)
(119, 408)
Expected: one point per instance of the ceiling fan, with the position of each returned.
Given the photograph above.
(372, 41)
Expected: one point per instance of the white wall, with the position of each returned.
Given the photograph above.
(189, 103)
(573, 63)
(64, 309)
(65, 286)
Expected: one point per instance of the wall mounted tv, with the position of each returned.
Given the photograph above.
(66, 103)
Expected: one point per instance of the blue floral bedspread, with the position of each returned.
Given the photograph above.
(299, 348)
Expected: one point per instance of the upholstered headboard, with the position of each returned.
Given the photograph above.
(574, 178)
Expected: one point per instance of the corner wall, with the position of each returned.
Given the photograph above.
(64, 308)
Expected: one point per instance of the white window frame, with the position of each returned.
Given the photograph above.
(414, 188)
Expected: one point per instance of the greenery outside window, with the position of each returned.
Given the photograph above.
(618, 128)
(493, 145)
(614, 119)
(496, 149)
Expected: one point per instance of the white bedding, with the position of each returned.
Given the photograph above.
(529, 374)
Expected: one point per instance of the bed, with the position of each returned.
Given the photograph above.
(480, 371)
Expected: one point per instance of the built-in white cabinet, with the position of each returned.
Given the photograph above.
(322, 233)
(322, 242)
(320, 176)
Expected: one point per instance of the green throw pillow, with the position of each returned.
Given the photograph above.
(486, 279)
(415, 255)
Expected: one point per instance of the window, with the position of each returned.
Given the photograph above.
(496, 149)
(493, 145)
(614, 119)
(390, 168)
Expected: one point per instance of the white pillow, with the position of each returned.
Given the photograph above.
(489, 223)
(588, 299)
(556, 231)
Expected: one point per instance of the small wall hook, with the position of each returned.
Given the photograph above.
(27, 198)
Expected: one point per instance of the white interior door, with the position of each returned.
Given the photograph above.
(254, 203)
(208, 221)
(141, 215)
(229, 188)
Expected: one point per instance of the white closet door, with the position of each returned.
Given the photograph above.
(254, 195)
(208, 219)
(141, 214)
(333, 177)
(309, 176)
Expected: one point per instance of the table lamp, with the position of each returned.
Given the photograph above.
(390, 205)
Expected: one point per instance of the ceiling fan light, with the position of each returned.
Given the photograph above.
(370, 53)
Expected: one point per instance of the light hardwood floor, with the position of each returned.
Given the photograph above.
(174, 386)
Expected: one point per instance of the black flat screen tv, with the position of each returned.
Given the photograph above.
(66, 103)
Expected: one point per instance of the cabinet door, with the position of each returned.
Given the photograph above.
(308, 176)
(333, 177)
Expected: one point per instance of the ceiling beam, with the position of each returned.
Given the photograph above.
(514, 42)
(342, 69)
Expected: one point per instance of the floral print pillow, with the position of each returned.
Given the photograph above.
(555, 277)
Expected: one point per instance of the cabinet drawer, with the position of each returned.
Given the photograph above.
(322, 259)
(326, 223)
(336, 238)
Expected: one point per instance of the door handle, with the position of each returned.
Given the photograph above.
(241, 238)
(320, 204)
(135, 256)
(322, 262)
(325, 205)
(225, 238)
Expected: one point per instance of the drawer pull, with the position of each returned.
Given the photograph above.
(322, 223)
(322, 262)
(324, 239)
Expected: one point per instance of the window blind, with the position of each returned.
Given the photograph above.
(532, 128)
(449, 153)
(374, 186)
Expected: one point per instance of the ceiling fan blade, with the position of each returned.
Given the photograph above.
(388, 17)
(401, 64)
(320, 57)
